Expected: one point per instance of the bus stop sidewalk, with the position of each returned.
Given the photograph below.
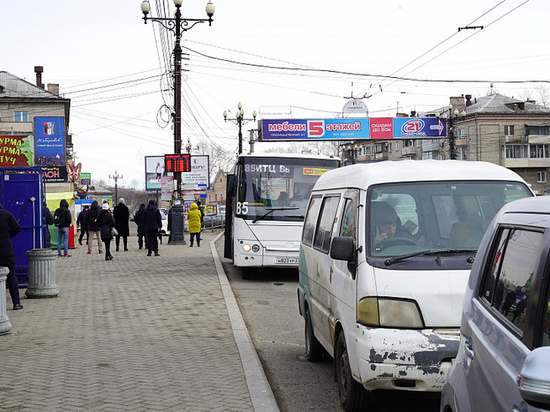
(136, 333)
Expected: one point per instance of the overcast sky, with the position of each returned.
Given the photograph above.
(284, 58)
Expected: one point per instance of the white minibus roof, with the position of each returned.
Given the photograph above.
(362, 176)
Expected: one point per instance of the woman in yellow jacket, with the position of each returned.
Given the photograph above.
(194, 223)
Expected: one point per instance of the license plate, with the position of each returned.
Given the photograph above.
(286, 261)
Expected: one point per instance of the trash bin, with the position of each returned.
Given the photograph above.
(41, 281)
(5, 325)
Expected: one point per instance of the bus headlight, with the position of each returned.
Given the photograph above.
(387, 312)
(247, 247)
(255, 248)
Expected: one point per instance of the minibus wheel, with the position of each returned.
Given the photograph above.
(353, 397)
(314, 350)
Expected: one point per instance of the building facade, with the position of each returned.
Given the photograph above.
(494, 128)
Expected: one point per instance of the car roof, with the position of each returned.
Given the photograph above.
(364, 175)
(539, 205)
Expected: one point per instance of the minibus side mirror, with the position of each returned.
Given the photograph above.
(534, 378)
(343, 248)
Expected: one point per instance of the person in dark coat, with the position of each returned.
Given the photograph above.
(139, 218)
(83, 223)
(107, 222)
(122, 216)
(153, 222)
(8, 229)
(49, 221)
(63, 219)
(94, 227)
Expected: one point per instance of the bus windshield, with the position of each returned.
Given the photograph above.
(277, 188)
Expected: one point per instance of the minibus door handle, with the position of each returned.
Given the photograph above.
(330, 276)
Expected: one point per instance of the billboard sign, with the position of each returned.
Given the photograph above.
(49, 141)
(16, 151)
(154, 171)
(352, 129)
(200, 171)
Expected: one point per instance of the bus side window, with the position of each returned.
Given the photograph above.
(311, 220)
(323, 233)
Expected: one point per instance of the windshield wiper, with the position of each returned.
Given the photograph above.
(271, 209)
(390, 261)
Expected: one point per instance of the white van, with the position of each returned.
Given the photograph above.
(384, 260)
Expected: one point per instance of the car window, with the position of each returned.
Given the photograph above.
(348, 225)
(323, 234)
(311, 220)
(513, 261)
(546, 323)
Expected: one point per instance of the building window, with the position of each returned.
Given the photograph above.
(538, 130)
(541, 176)
(509, 130)
(396, 146)
(461, 133)
(516, 151)
(539, 151)
(20, 117)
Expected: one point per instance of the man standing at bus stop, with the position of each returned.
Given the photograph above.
(8, 229)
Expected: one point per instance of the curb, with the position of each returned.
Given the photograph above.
(258, 386)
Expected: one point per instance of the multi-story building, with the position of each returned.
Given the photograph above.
(216, 192)
(22, 104)
(494, 128)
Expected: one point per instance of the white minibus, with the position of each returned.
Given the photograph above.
(385, 255)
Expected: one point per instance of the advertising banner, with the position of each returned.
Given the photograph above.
(85, 178)
(16, 151)
(49, 141)
(200, 171)
(154, 171)
(352, 129)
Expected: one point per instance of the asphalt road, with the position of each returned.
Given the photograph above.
(269, 306)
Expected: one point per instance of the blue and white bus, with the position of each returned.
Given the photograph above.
(266, 201)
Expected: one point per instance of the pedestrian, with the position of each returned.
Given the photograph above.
(139, 218)
(94, 228)
(107, 222)
(153, 223)
(122, 217)
(201, 209)
(62, 220)
(194, 224)
(49, 221)
(83, 223)
(8, 229)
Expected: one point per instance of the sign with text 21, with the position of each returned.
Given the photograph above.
(352, 129)
(315, 129)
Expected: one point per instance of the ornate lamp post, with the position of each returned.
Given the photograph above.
(115, 176)
(450, 116)
(177, 25)
(240, 120)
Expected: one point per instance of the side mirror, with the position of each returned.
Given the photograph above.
(534, 378)
(343, 248)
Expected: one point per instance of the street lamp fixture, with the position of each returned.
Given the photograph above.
(451, 116)
(177, 25)
(115, 176)
(240, 120)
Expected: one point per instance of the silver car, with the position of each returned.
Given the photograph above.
(503, 362)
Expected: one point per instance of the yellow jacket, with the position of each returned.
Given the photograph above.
(194, 219)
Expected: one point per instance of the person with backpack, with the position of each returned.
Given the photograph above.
(83, 223)
(62, 219)
(94, 227)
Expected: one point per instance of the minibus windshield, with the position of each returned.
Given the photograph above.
(447, 216)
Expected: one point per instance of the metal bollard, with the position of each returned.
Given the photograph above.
(41, 274)
(5, 325)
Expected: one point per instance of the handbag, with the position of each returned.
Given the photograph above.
(114, 232)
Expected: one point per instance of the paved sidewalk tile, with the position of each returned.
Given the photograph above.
(136, 333)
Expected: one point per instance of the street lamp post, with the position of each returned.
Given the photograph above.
(176, 25)
(115, 176)
(240, 120)
(450, 116)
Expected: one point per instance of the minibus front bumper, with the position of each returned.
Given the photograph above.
(405, 359)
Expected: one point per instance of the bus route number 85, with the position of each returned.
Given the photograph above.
(242, 208)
